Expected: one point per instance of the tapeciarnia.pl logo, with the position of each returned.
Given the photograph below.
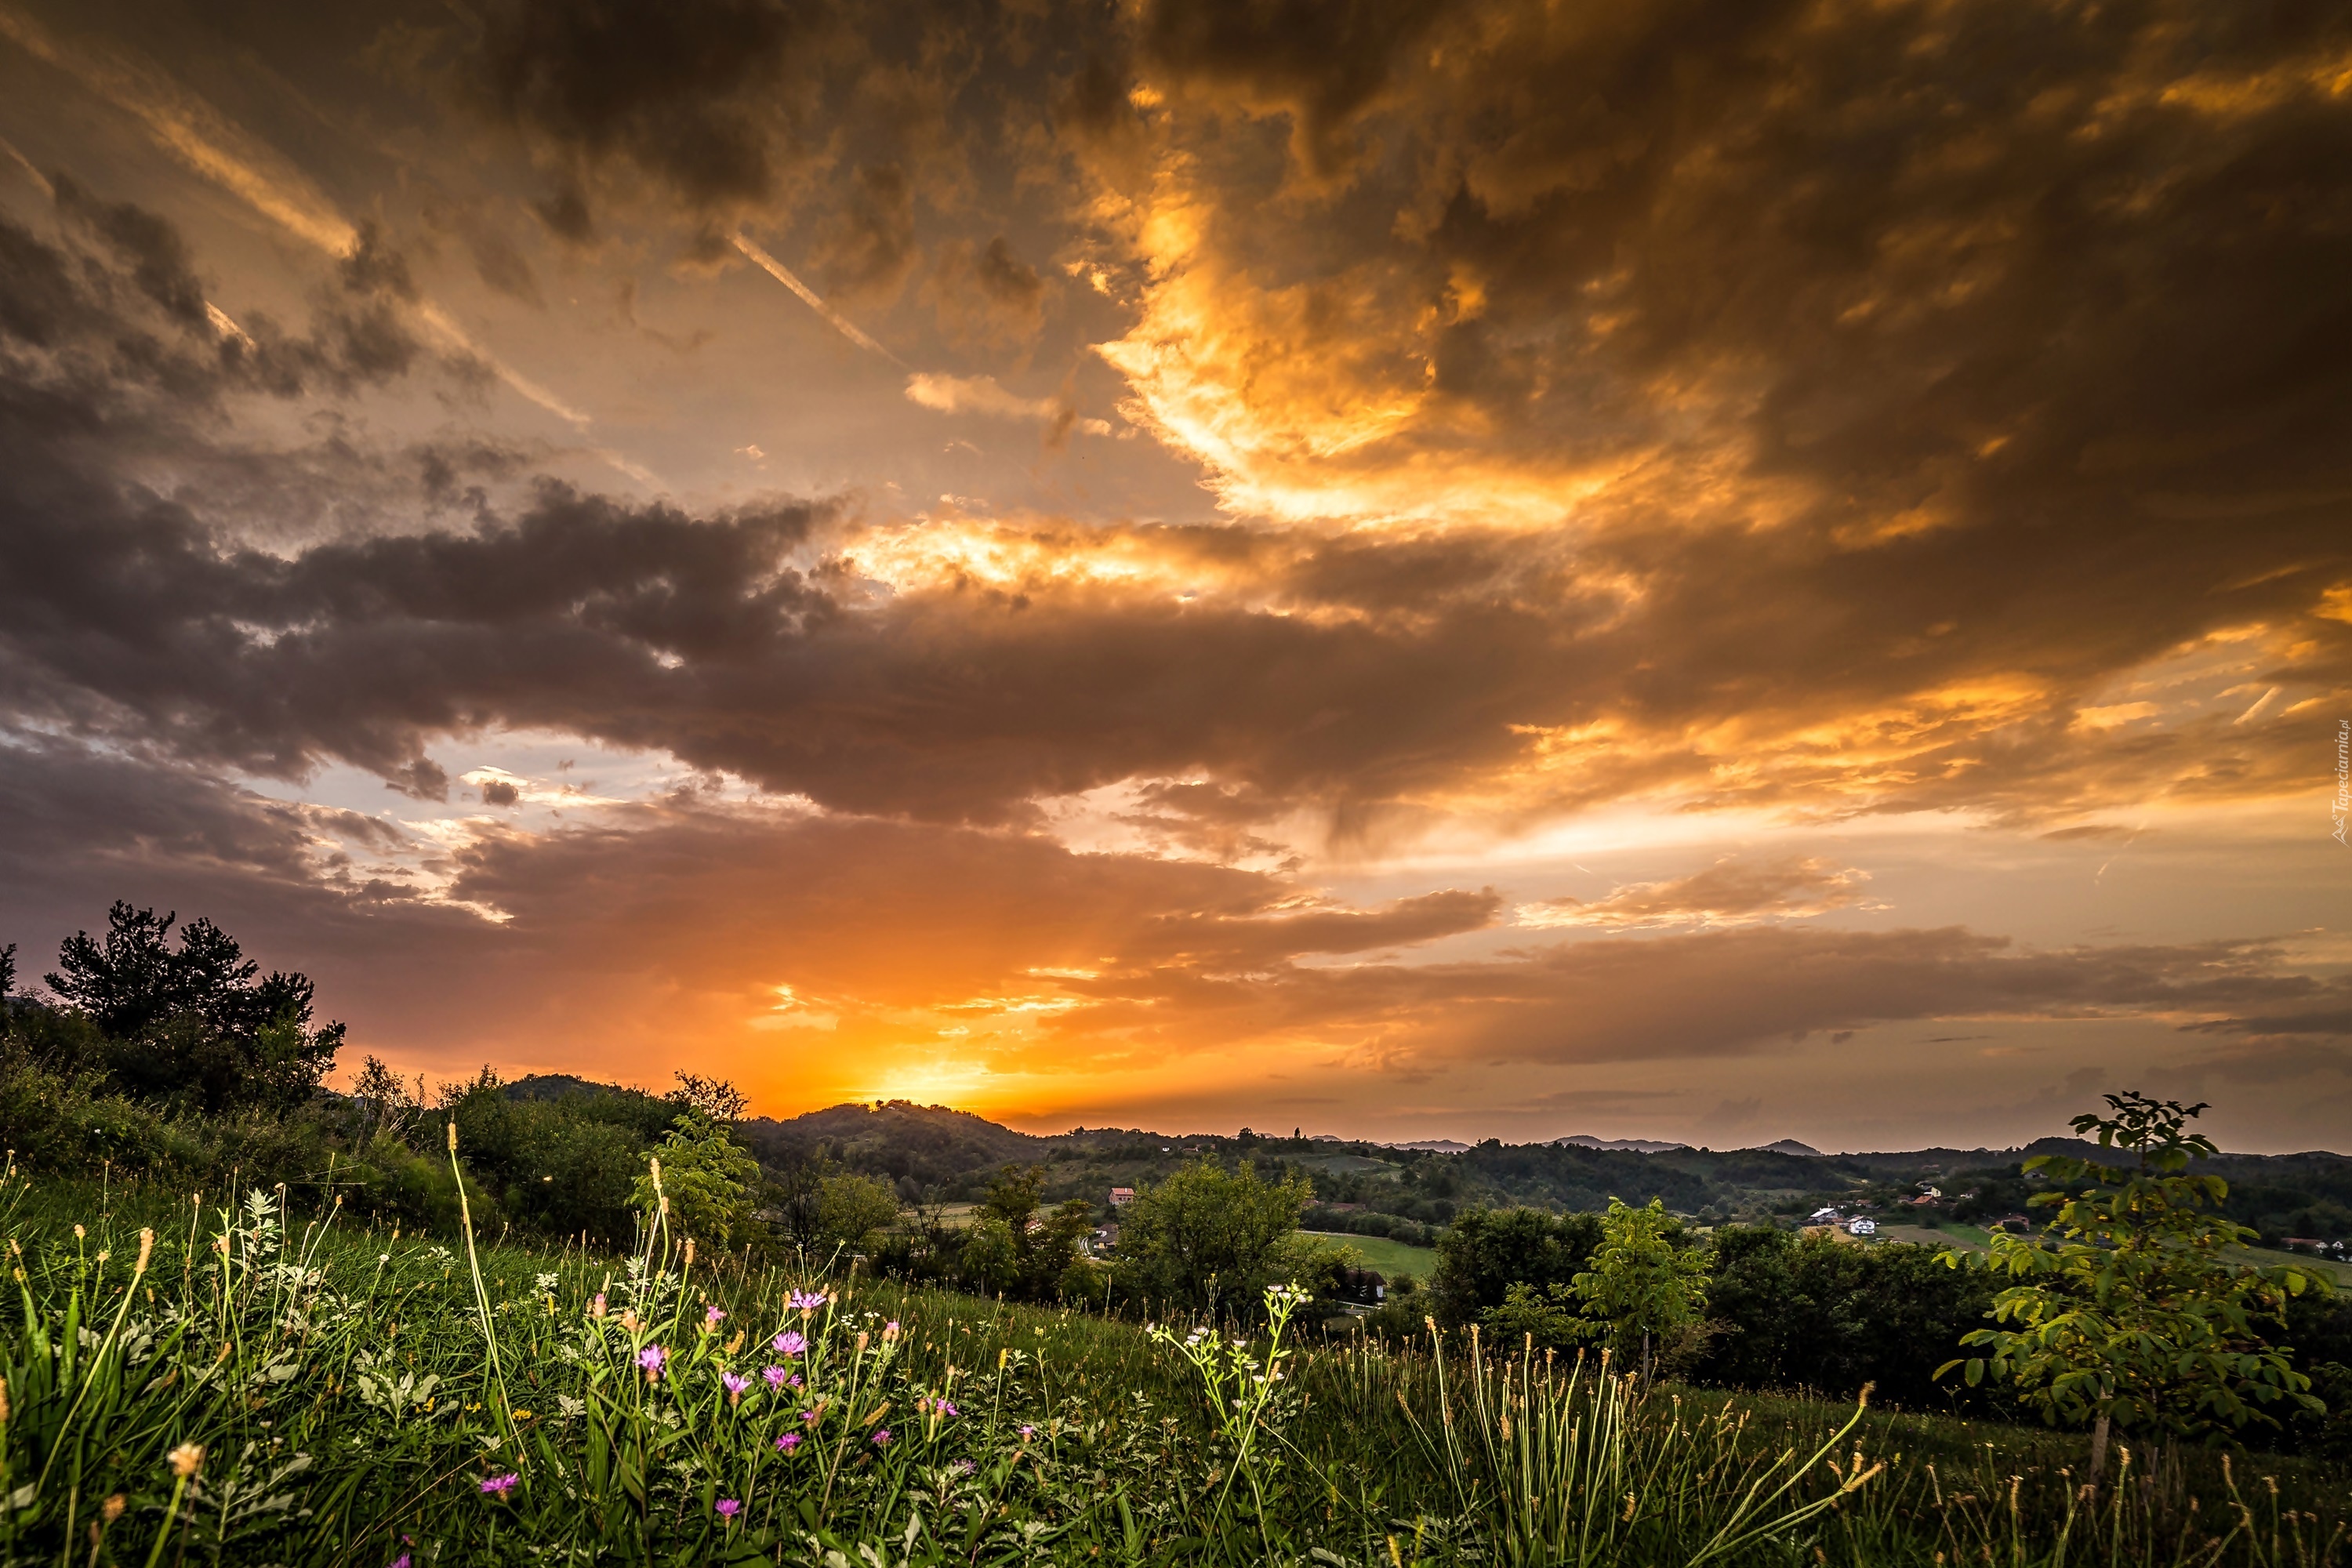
(2343, 777)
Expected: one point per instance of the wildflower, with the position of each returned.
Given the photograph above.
(890, 1332)
(808, 1417)
(727, 1508)
(945, 1408)
(794, 1380)
(776, 1377)
(965, 1467)
(1027, 1433)
(788, 1441)
(882, 1439)
(809, 1300)
(400, 1561)
(651, 1359)
(735, 1386)
(790, 1343)
(596, 1305)
(187, 1460)
(112, 1508)
(712, 1318)
(499, 1486)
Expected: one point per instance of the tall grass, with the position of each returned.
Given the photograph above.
(243, 1384)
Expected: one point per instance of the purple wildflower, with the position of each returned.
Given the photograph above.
(729, 1507)
(651, 1359)
(774, 1374)
(1027, 1433)
(712, 1317)
(945, 1408)
(735, 1384)
(808, 1300)
(882, 1439)
(401, 1560)
(498, 1486)
(788, 1441)
(794, 1380)
(790, 1343)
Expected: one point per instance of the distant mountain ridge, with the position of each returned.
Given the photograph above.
(936, 1154)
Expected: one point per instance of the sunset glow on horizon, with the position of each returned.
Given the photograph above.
(1707, 572)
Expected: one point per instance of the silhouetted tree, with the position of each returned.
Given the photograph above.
(196, 1025)
(714, 1097)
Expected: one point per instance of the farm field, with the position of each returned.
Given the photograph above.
(296, 1390)
(1394, 1258)
(1967, 1237)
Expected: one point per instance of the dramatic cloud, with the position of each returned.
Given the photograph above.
(1689, 487)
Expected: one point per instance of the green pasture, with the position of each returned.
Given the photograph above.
(1392, 1258)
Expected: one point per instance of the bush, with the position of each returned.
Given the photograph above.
(852, 1211)
(417, 1192)
(1486, 1251)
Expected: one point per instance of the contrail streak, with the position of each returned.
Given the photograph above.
(31, 173)
(840, 323)
(437, 321)
(192, 130)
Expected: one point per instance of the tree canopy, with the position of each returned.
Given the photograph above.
(1211, 1237)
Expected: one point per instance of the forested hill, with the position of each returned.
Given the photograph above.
(936, 1154)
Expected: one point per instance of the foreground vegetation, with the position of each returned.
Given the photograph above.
(248, 1384)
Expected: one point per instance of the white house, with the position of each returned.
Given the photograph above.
(1862, 1224)
(1828, 1216)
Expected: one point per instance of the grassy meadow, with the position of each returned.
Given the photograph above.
(252, 1382)
(1392, 1258)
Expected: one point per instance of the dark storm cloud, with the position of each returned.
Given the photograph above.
(1324, 61)
(157, 256)
(698, 96)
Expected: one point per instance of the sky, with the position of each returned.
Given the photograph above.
(1405, 569)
